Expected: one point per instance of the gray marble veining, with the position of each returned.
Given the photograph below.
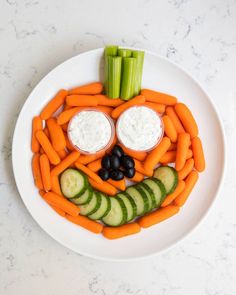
(37, 35)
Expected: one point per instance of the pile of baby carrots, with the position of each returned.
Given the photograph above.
(53, 153)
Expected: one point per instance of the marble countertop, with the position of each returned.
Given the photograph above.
(37, 35)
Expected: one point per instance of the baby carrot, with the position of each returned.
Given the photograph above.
(55, 185)
(70, 159)
(121, 231)
(175, 120)
(155, 155)
(132, 102)
(95, 165)
(190, 182)
(187, 119)
(81, 100)
(120, 184)
(64, 126)
(104, 109)
(36, 171)
(88, 172)
(134, 154)
(86, 159)
(158, 216)
(169, 128)
(66, 115)
(189, 154)
(41, 151)
(37, 124)
(139, 167)
(104, 187)
(86, 223)
(158, 97)
(69, 146)
(42, 192)
(106, 101)
(62, 154)
(170, 198)
(172, 147)
(188, 167)
(158, 107)
(46, 131)
(170, 156)
(198, 155)
(62, 203)
(47, 147)
(138, 177)
(66, 107)
(92, 88)
(58, 210)
(182, 150)
(54, 104)
(45, 172)
(56, 135)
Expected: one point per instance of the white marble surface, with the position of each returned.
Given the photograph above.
(35, 36)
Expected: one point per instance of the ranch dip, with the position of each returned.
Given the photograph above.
(90, 131)
(139, 128)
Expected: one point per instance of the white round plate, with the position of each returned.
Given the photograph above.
(158, 74)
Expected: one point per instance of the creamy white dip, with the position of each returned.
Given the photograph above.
(90, 131)
(139, 128)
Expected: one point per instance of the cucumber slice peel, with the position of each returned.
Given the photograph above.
(73, 183)
(168, 176)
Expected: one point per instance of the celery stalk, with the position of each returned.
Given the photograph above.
(114, 74)
(109, 51)
(128, 75)
(139, 55)
(124, 52)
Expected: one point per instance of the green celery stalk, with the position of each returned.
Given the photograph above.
(128, 75)
(124, 52)
(109, 51)
(139, 55)
(114, 74)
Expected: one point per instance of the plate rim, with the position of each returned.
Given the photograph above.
(201, 219)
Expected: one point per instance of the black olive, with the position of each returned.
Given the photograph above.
(117, 151)
(106, 162)
(115, 162)
(127, 162)
(129, 172)
(116, 174)
(104, 174)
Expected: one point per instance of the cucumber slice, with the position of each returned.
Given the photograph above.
(92, 206)
(84, 198)
(73, 183)
(168, 176)
(158, 189)
(104, 208)
(140, 199)
(149, 192)
(129, 204)
(118, 213)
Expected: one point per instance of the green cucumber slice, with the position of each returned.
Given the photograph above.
(129, 204)
(92, 206)
(158, 189)
(84, 198)
(168, 176)
(104, 208)
(73, 183)
(149, 192)
(140, 199)
(118, 213)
